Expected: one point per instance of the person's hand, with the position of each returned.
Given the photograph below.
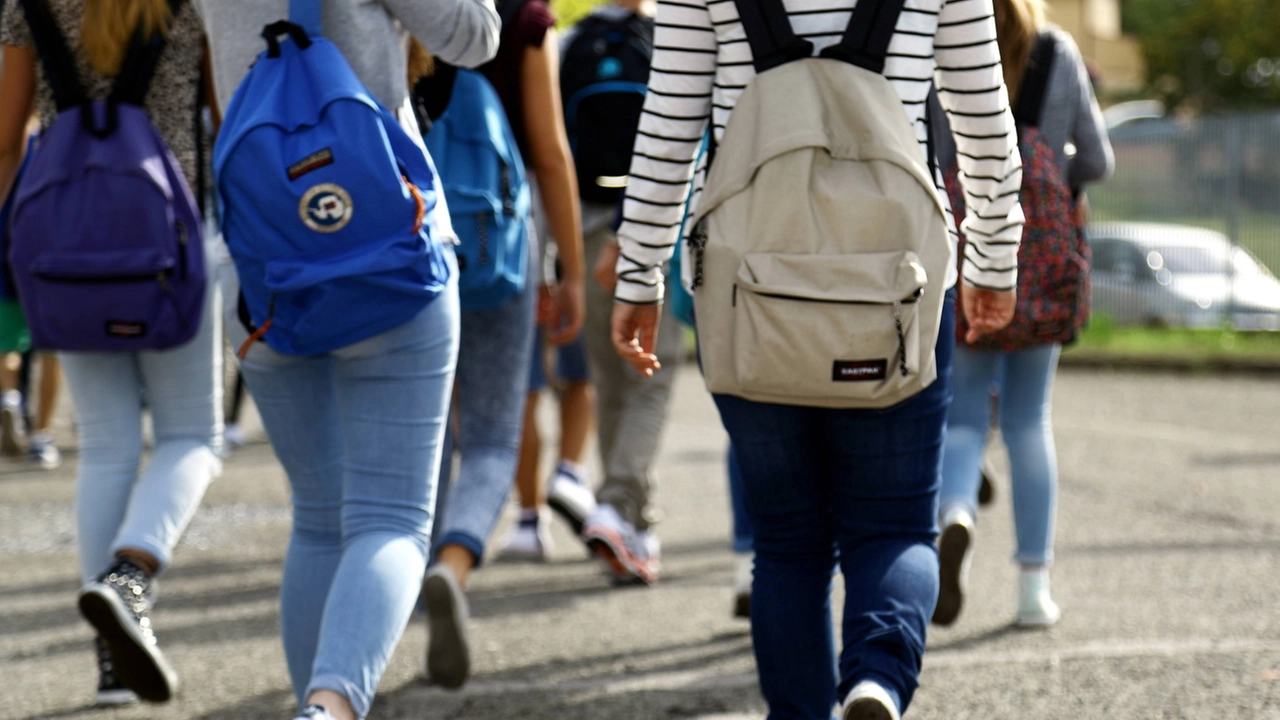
(606, 269)
(568, 308)
(635, 335)
(986, 310)
(546, 309)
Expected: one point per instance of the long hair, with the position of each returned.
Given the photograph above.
(421, 63)
(1018, 22)
(110, 25)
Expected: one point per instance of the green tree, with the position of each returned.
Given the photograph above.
(1210, 54)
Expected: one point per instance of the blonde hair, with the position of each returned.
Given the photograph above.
(1018, 22)
(421, 63)
(109, 26)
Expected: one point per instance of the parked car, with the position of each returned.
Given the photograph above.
(1179, 276)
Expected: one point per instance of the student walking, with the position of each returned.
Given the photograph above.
(1054, 105)
(128, 519)
(606, 68)
(493, 366)
(357, 427)
(839, 467)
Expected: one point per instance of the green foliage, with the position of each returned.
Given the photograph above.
(1210, 54)
(569, 12)
(1102, 338)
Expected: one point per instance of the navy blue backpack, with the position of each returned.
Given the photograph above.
(105, 234)
(484, 183)
(326, 202)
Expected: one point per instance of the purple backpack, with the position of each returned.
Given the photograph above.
(106, 244)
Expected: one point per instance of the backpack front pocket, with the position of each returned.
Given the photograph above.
(813, 326)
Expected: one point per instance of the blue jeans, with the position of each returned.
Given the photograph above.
(358, 432)
(1025, 383)
(493, 370)
(743, 540)
(857, 487)
(116, 506)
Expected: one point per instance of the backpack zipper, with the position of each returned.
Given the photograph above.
(256, 335)
(162, 278)
(910, 300)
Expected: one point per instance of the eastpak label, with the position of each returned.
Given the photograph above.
(121, 328)
(859, 370)
(314, 161)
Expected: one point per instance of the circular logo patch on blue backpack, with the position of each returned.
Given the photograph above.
(326, 208)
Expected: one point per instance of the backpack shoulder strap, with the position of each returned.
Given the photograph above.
(773, 41)
(1035, 81)
(866, 40)
(306, 14)
(55, 55)
(507, 12)
(140, 64)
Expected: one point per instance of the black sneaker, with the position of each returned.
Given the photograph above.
(111, 692)
(117, 605)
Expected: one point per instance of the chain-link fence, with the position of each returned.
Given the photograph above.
(1185, 231)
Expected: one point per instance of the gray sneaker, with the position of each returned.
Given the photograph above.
(448, 650)
(10, 430)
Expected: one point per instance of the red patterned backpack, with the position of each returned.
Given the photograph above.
(1053, 260)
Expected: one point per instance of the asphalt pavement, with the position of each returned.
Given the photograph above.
(1168, 556)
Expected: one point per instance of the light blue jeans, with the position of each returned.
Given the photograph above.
(116, 506)
(1024, 381)
(493, 372)
(358, 432)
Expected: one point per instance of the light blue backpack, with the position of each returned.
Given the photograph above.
(489, 198)
(326, 202)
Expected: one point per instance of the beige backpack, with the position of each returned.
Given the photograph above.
(821, 249)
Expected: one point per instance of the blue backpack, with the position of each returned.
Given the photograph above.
(326, 202)
(484, 183)
(105, 233)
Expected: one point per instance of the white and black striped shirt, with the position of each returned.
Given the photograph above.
(702, 62)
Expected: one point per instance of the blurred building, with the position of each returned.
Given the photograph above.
(1095, 25)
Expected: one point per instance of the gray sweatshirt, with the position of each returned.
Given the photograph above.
(371, 34)
(1070, 114)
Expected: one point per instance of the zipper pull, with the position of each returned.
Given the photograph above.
(698, 242)
(902, 338)
(163, 281)
(254, 337)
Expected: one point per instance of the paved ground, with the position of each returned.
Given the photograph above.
(1169, 553)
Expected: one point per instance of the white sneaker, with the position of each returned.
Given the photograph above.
(572, 499)
(1035, 607)
(11, 439)
(953, 563)
(630, 555)
(314, 712)
(742, 576)
(43, 453)
(869, 701)
(233, 435)
(527, 541)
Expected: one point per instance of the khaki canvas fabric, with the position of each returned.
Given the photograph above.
(825, 245)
